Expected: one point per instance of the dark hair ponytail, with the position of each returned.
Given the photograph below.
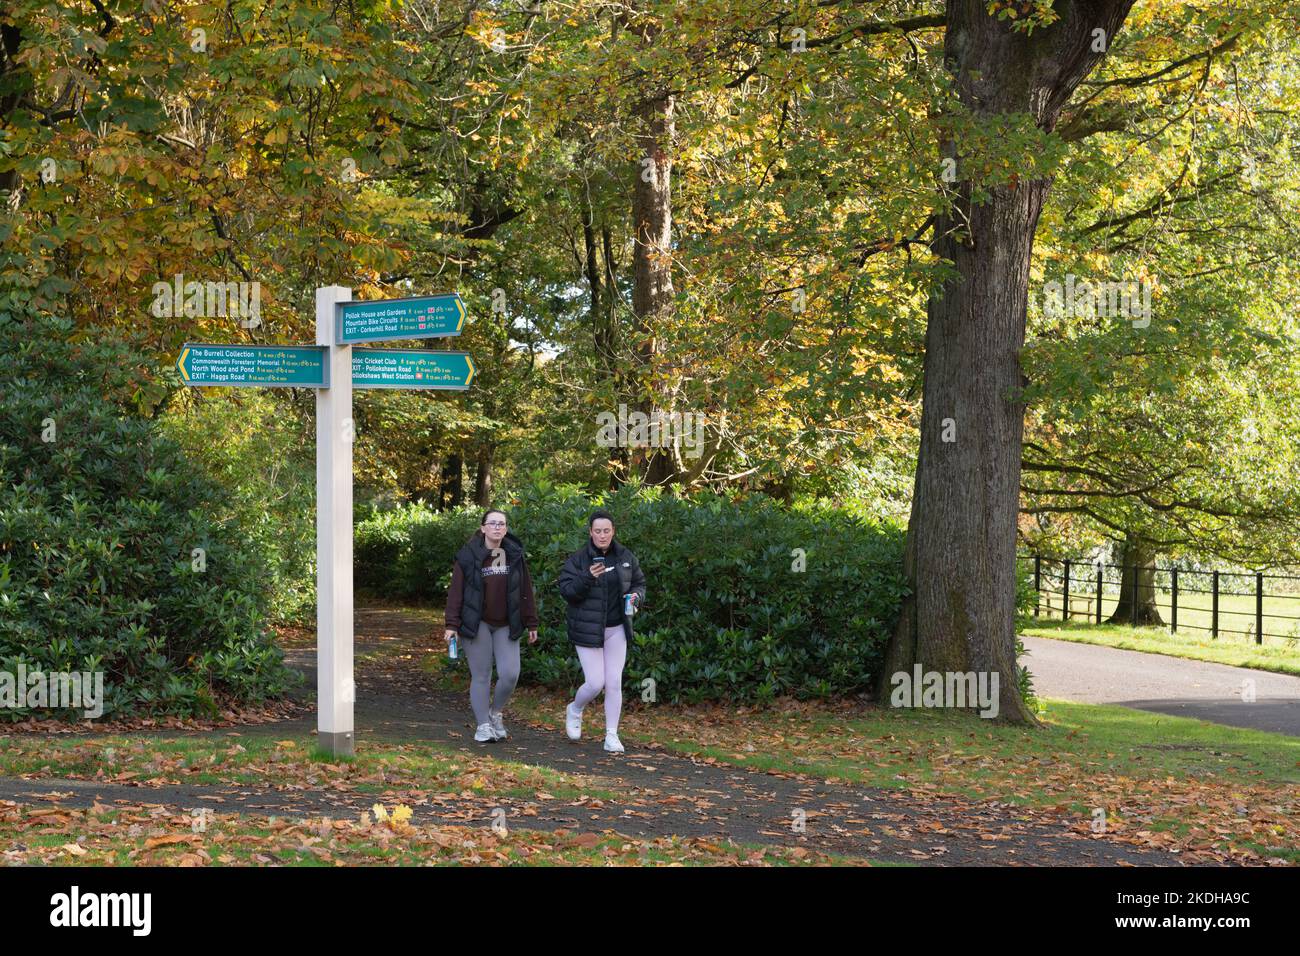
(493, 511)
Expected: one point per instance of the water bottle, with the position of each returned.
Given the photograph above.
(629, 604)
(451, 648)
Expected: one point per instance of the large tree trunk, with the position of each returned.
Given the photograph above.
(11, 38)
(620, 472)
(599, 312)
(960, 553)
(483, 476)
(451, 492)
(652, 267)
(1138, 561)
(591, 267)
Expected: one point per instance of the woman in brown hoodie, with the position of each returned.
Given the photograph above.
(489, 605)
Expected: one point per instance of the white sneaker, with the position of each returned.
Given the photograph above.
(572, 722)
(498, 725)
(485, 734)
(612, 743)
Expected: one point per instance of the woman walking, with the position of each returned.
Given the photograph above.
(603, 585)
(489, 604)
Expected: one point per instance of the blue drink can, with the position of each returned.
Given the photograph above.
(629, 604)
(451, 648)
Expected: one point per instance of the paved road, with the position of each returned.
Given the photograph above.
(1093, 674)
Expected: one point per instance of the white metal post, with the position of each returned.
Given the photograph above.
(335, 688)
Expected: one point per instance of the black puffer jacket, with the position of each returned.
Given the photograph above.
(465, 610)
(586, 612)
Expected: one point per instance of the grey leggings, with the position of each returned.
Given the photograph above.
(479, 653)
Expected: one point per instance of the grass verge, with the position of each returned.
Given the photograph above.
(1279, 658)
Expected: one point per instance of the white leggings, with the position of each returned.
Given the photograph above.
(602, 669)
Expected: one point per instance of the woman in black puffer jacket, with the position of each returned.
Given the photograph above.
(603, 585)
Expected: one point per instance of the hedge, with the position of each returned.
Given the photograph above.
(100, 516)
(747, 599)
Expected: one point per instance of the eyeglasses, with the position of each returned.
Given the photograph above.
(494, 524)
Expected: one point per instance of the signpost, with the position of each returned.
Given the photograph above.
(333, 368)
(265, 365)
(307, 366)
(425, 317)
(411, 368)
(335, 686)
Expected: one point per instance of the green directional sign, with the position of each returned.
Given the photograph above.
(264, 365)
(425, 317)
(411, 368)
